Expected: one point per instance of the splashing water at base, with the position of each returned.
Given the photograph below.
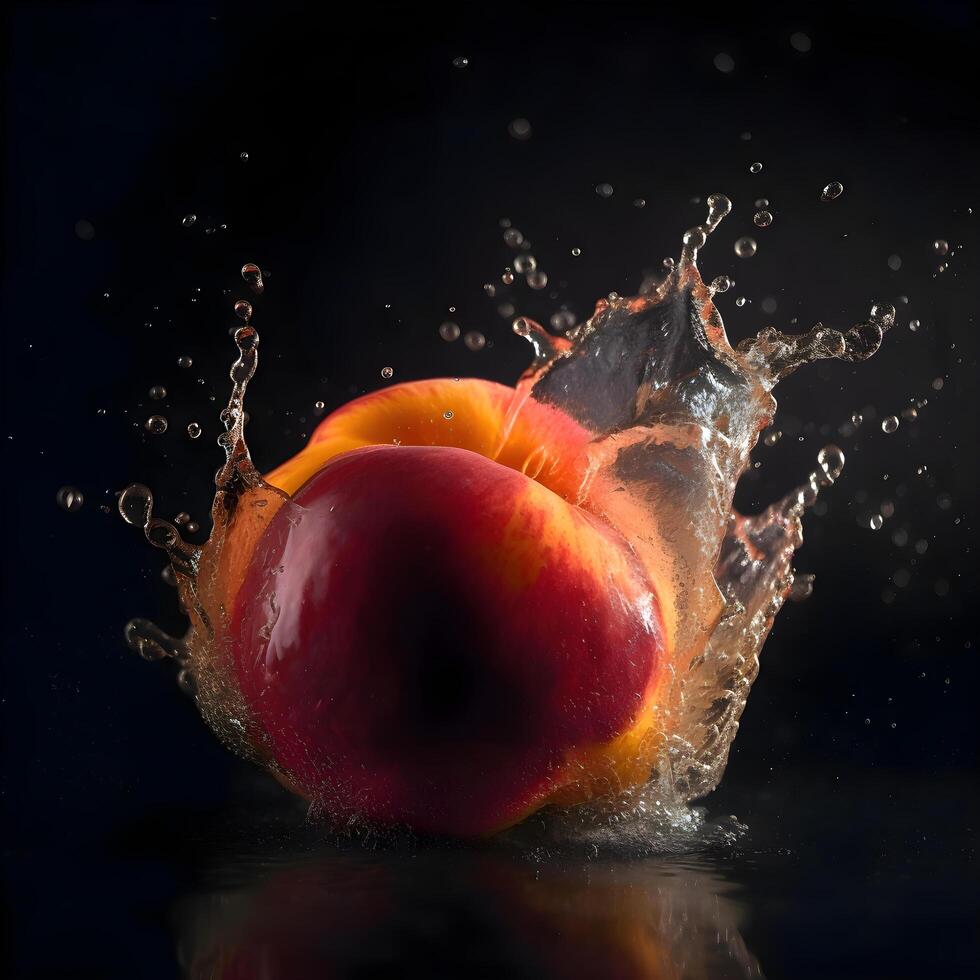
(672, 412)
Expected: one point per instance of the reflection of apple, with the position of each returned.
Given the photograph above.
(439, 914)
(446, 637)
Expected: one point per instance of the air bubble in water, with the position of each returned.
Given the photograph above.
(940, 246)
(193, 430)
(157, 392)
(889, 424)
(745, 247)
(387, 373)
(832, 191)
(252, 274)
(70, 499)
(755, 168)
(475, 340)
(156, 425)
(762, 219)
(449, 331)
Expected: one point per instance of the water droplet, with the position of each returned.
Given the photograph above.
(940, 246)
(475, 340)
(513, 238)
(136, 504)
(937, 384)
(914, 325)
(831, 462)
(537, 279)
(889, 424)
(857, 418)
(741, 301)
(70, 499)
(243, 156)
(387, 373)
(449, 331)
(460, 62)
(724, 62)
(252, 274)
(448, 414)
(876, 522)
(188, 220)
(762, 219)
(243, 310)
(193, 430)
(157, 392)
(525, 263)
(604, 190)
(755, 168)
(800, 42)
(640, 202)
(772, 437)
(156, 425)
(894, 262)
(519, 129)
(832, 191)
(562, 320)
(745, 247)
(185, 362)
(721, 284)
(576, 252)
(769, 304)
(319, 406)
(85, 230)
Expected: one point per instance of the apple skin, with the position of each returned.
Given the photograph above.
(440, 641)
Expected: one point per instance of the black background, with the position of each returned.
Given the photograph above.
(375, 178)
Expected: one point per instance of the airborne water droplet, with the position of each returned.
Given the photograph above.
(940, 246)
(387, 373)
(193, 430)
(157, 392)
(745, 247)
(755, 168)
(832, 191)
(243, 310)
(831, 460)
(604, 190)
(460, 62)
(188, 220)
(156, 425)
(475, 340)
(185, 362)
(889, 424)
(449, 331)
(252, 274)
(70, 499)
(762, 219)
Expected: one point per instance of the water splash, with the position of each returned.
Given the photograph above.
(673, 412)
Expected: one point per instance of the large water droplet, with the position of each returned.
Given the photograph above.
(156, 425)
(449, 331)
(252, 274)
(832, 191)
(746, 247)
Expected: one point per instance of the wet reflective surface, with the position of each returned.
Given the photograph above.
(865, 876)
